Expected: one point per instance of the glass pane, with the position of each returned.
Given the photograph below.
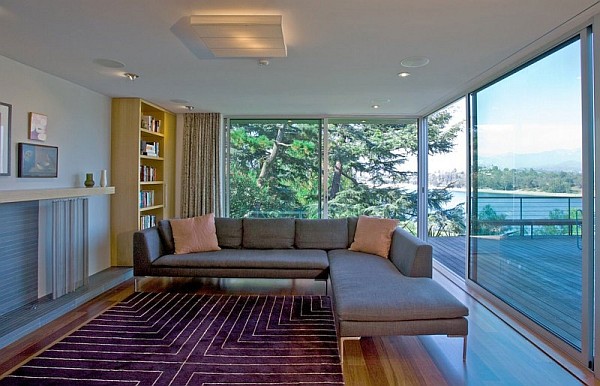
(373, 169)
(525, 244)
(274, 168)
(446, 194)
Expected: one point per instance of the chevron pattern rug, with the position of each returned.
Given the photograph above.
(185, 339)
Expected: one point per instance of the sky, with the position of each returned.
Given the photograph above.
(533, 110)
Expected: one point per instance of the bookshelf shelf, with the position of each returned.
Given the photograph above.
(151, 133)
(149, 208)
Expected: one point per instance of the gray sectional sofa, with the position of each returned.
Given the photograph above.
(373, 296)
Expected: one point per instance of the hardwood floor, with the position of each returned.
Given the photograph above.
(497, 354)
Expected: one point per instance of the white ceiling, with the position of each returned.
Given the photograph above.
(342, 54)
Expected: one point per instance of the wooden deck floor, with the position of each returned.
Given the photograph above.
(540, 276)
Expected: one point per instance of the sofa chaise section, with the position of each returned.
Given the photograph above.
(395, 296)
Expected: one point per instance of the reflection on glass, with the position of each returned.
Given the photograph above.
(526, 182)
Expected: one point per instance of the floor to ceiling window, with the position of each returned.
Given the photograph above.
(526, 192)
(446, 192)
(373, 169)
(274, 168)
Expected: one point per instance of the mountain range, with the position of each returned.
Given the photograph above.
(567, 160)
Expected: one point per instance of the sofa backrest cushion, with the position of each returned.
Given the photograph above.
(195, 234)
(166, 236)
(229, 232)
(322, 234)
(374, 235)
(352, 221)
(268, 233)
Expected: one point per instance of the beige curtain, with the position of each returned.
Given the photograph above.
(201, 184)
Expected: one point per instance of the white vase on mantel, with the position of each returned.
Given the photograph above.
(103, 178)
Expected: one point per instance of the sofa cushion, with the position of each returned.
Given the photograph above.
(321, 234)
(248, 259)
(195, 234)
(166, 236)
(352, 221)
(388, 295)
(268, 233)
(374, 235)
(229, 232)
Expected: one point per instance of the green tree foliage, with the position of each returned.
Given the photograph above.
(489, 214)
(274, 170)
(529, 179)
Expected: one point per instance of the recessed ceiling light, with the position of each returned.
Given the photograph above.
(403, 74)
(189, 107)
(414, 62)
(131, 76)
(109, 63)
(263, 62)
(375, 106)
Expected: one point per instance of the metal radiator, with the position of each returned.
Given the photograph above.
(69, 245)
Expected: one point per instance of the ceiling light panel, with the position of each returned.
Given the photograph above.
(241, 36)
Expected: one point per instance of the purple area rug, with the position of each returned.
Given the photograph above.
(184, 339)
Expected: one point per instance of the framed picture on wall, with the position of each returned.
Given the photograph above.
(5, 118)
(38, 124)
(37, 161)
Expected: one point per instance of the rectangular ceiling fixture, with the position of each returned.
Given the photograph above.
(243, 36)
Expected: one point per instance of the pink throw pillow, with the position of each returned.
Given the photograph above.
(195, 234)
(374, 235)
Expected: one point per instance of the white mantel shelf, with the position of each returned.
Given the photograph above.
(7, 196)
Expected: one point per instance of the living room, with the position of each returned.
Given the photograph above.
(66, 61)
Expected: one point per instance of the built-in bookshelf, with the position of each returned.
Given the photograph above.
(143, 169)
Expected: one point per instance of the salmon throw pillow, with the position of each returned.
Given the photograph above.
(374, 235)
(195, 234)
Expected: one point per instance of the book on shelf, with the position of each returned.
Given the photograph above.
(147, 221)
(150, 148)
(146, 198)
(147, 173)
(150, 124)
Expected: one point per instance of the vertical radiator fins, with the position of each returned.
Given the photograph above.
(69, 245)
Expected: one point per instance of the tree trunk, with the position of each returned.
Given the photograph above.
(336, 180)
(264, 170)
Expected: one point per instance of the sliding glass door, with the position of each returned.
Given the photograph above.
(527, 232)
(447, 181)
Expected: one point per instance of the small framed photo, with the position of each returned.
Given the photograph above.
(37, 161)
(37, 127)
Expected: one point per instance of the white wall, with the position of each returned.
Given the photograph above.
(79, 124)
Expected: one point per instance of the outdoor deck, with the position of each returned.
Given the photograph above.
(539, 276)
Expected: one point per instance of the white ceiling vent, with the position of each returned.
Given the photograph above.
(243, 36)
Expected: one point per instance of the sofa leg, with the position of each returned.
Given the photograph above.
(342, 340)
(464, 353)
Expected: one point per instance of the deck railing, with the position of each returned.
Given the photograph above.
(526, 212)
